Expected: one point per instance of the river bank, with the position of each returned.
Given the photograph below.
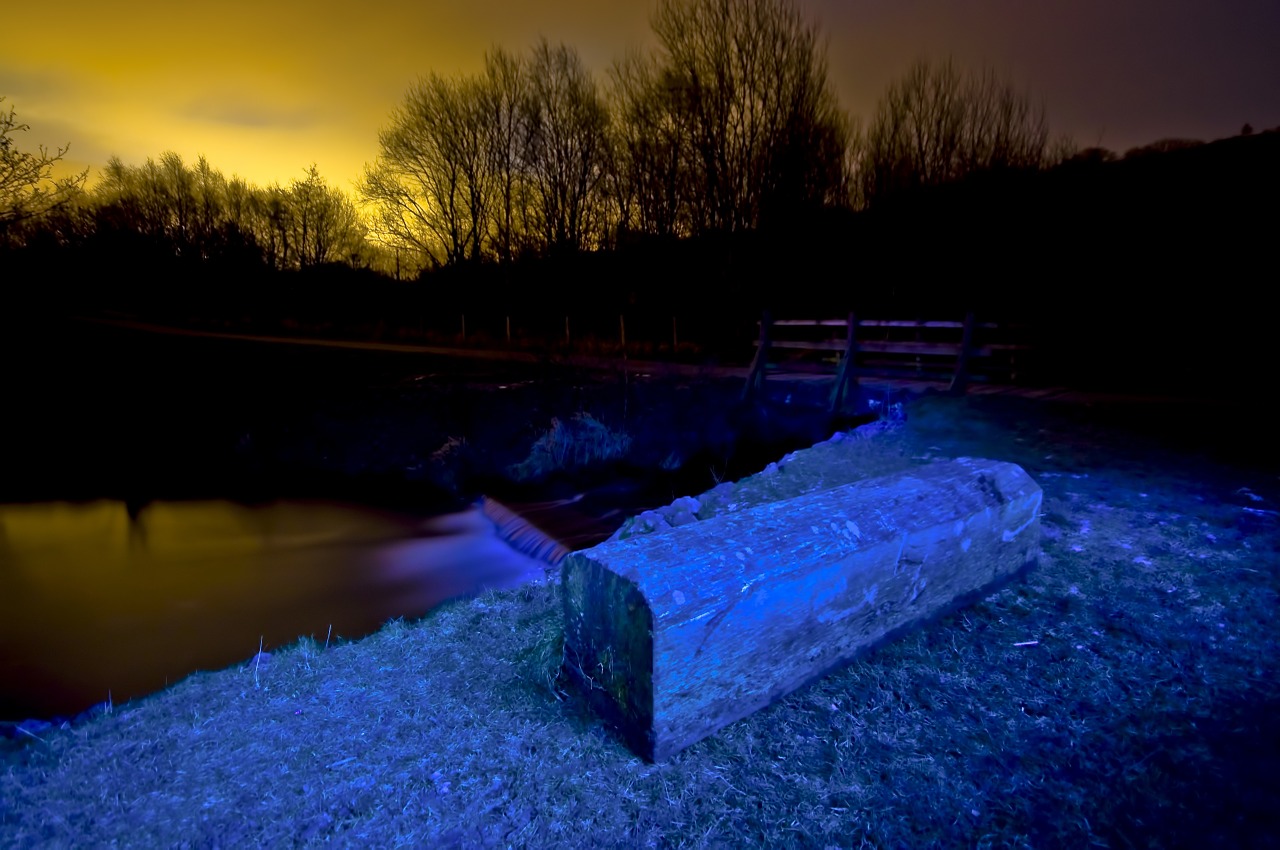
(1123, 694)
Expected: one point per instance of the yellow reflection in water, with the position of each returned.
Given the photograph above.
(96, 599)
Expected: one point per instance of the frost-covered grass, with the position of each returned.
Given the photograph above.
(1125, 694)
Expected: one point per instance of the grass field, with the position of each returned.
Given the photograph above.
(1125, 694)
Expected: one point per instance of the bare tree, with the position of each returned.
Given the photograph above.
(272, 217)
(325, 225)
(938, 124)
(504, 103)
(753, 80)
(179, 187)
(209, 212)
(732, 122)
(167, 201)
(195, 211)
(652, 145)
(567, 152)
(141, 198)
(429, 185)
(28, 188)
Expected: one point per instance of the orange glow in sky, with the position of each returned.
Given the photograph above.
(265, 89)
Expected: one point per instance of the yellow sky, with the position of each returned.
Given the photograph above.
(263, 89)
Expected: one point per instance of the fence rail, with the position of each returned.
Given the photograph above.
(948, 351)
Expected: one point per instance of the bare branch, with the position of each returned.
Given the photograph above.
(28, 188)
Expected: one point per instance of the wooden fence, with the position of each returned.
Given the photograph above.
(947, 352)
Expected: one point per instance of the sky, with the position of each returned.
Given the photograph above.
(265, 89)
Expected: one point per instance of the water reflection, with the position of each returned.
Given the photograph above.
(108, 597)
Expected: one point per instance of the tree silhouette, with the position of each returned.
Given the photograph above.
(766, 132)
(272, 226)
(197, 213)
(938, 124)
(731, 124)
(652, 148)
(325, 225)
(1162, 146)
(1091, 156)
(428, 185)
(176, 208)
(144, 199)
(567, 152)
(491, 166)
(28, 188)
(504, 101)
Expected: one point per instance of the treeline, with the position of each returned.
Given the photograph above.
(729, 125)
(167, 208)
(195, 209)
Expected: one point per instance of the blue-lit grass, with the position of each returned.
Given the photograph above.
(1123, 695)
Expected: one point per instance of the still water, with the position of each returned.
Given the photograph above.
(100, 599)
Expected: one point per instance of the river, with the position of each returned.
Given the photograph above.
(102, 600)
(168, 502)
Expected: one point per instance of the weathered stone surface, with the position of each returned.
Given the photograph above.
(676, 634)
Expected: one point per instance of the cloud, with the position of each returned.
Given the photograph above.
(237, 111)
(26, 85)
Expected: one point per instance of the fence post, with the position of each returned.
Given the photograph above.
(847, 375)
(755, 377)
(508, 330)
(960, 380)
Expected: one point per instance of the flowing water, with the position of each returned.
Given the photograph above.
(107, 600)
(152, 512)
